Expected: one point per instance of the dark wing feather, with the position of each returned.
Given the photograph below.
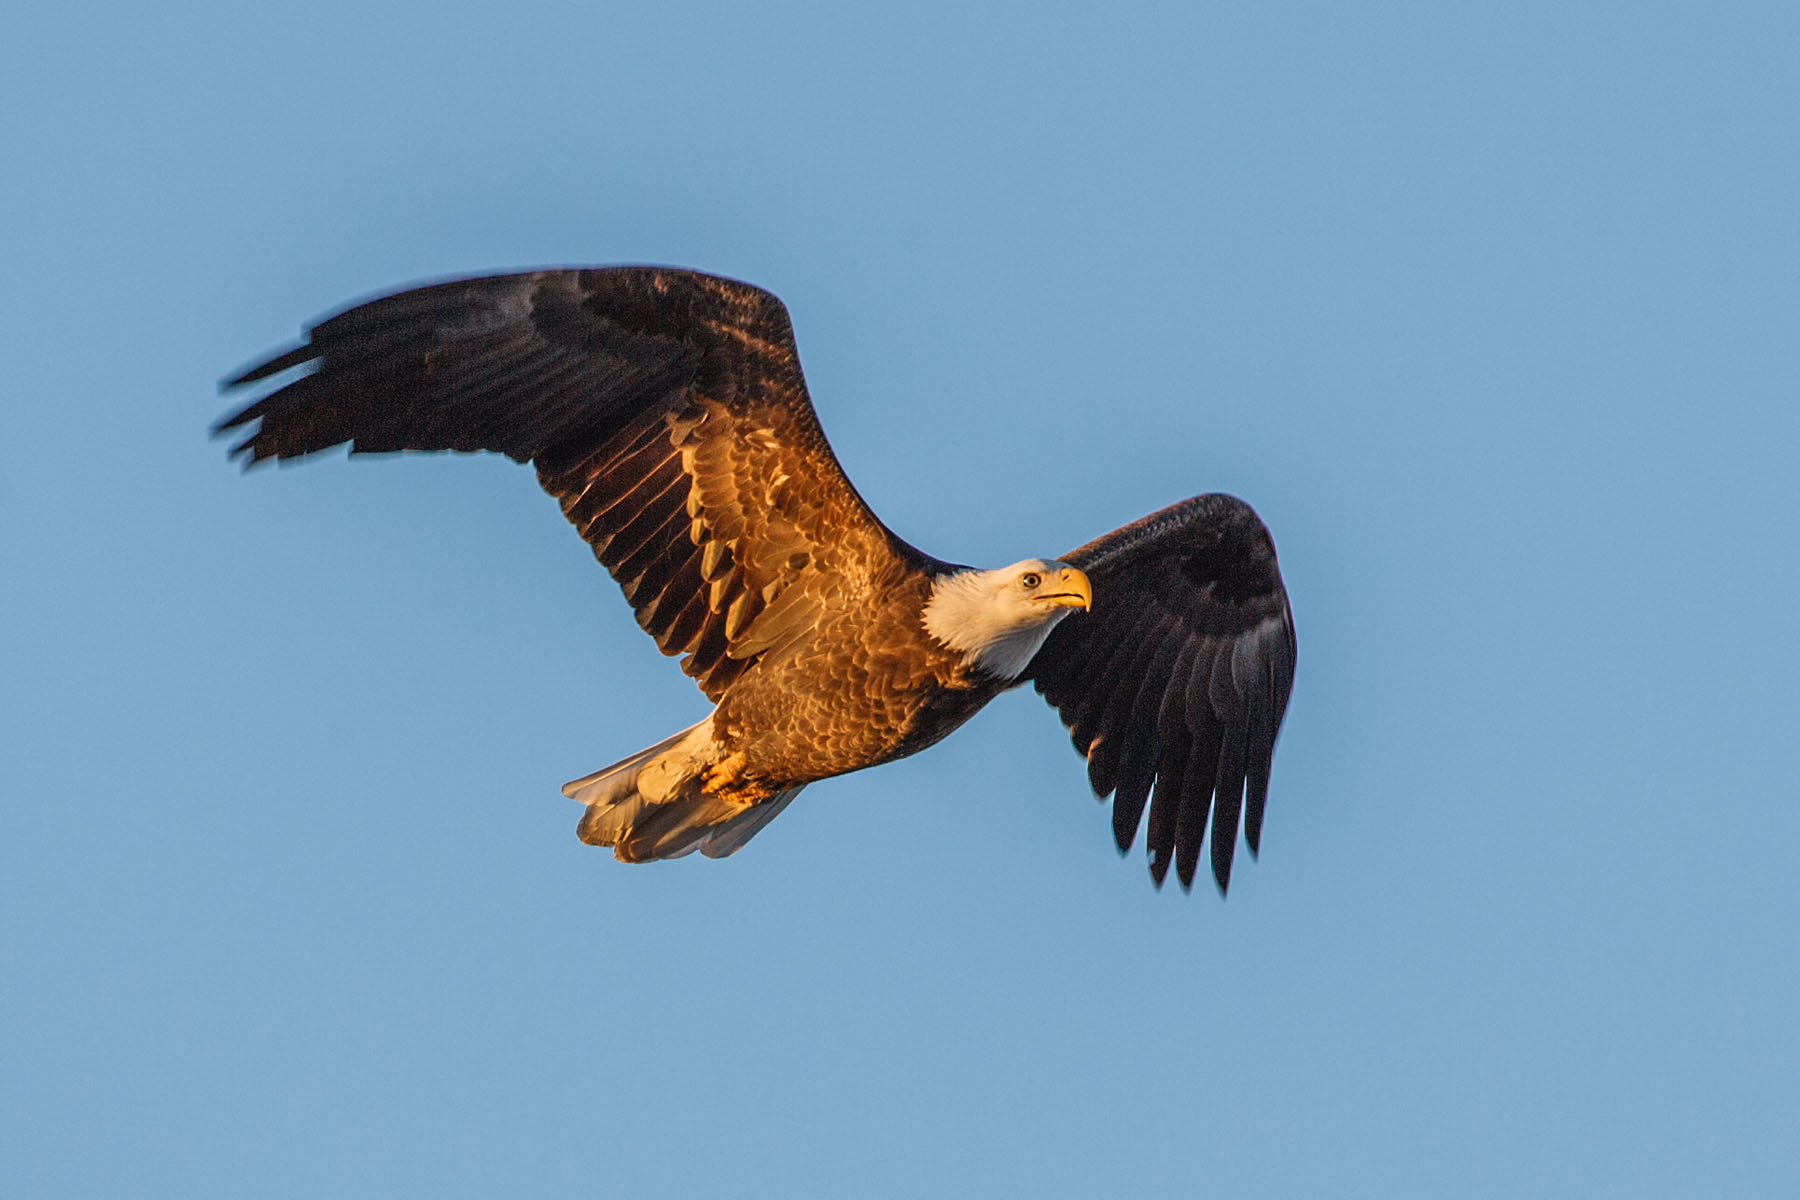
(664, 409)
(1174, 685)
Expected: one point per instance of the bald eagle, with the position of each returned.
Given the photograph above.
(666, 412)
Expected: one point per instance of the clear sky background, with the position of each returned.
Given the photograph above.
(1495, 318)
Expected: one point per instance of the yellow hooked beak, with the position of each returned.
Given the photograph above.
(1072, 590)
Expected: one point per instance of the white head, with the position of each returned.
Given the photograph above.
(998, 619)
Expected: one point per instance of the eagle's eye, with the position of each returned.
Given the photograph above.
(1030, 579)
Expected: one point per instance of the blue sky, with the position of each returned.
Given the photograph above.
(1492, 316)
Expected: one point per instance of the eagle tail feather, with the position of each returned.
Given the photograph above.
(651, 806)
(618, 783)
(728, 838)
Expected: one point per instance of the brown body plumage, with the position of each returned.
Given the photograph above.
(790, 705)
(666, 412)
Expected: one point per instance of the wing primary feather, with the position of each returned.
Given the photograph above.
(564, 409)
(1080, 659)
(1196, 797)
(1165, 804)
(1128, 812)
(1118, 685)
(303, 417)
(1058, 669)
(293, 357)
(1259, 752)
(557, 388)
(1109, 753)
(1139, 749)
(1228, 799)
(1174, 739)
(1106, 675)
(1149, 644)
(485, 369)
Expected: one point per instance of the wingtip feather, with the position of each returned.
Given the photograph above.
(291, 357)
(1159, 868)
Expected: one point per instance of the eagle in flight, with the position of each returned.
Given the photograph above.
(666, 412)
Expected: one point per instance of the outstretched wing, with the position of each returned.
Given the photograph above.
(1177, 678)
(664, 409)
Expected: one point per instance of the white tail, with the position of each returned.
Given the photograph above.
(651, 806)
